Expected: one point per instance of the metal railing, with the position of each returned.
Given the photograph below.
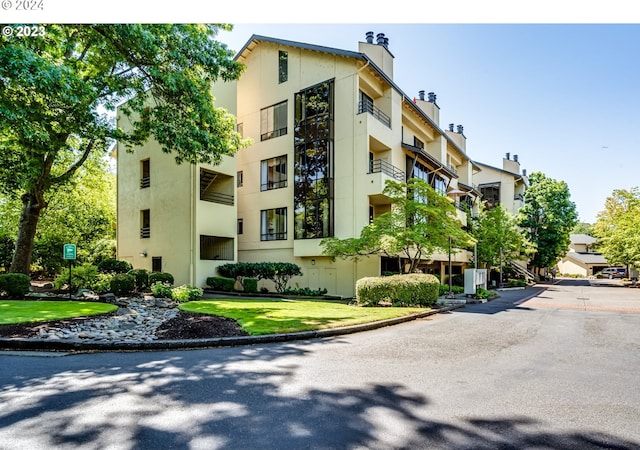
(366, 106)
(145, 182)
(145, 232)
(217, 197)
(382, 166)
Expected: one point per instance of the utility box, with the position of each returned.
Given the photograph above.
(473, 279)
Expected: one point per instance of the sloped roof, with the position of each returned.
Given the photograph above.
(582, 239)
(588, 258)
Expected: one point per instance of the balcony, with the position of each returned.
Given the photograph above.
(369, 107)
(216, 187)
(382, 166)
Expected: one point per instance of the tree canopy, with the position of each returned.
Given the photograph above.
(548, 218)
(618, 227)
(498, 236)
(420, 222)
(58, 92)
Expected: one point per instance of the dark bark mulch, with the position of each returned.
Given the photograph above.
(183, 326)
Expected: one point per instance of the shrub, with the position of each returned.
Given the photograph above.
(14, 285)
(160, 277)
(102, 284)
(483, 293)
(221, 283)
(161, 290)
(279, 272)
(305, 292)
(82, 277)
(122, 284)
(444, 289)
(517, 283)
(142, 278)
(401, 290)
(113, 265)
(250, 285)
(186, 293)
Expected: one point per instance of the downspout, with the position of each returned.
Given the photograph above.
(192, 226)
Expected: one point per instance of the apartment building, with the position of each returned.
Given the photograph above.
(329, 127)
(505, 186)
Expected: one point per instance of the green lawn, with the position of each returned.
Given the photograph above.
(259, 317)
(24, 311)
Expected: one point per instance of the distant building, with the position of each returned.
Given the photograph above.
(581, 259)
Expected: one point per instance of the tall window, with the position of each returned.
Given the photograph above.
(240, 226)
(283, 66)
(313, 165)
(273, 121)
(156, 264)
(145, 223)
(145, 179)
(239, 178)
(273, 224)
(273, 173)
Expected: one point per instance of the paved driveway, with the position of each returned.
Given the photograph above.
(588, 295)
(498, 375)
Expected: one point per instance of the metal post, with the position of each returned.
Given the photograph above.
(69, 280)
(450, 295)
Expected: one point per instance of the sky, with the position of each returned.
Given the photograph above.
(559, 87)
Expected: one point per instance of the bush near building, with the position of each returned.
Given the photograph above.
(160, 277)
(400, 290)
(14, 285)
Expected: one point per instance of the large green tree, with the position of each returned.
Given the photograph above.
(420, 222)
(82, 212)
(618, 227)
(499, 238)
(56, 93)
(548, 218)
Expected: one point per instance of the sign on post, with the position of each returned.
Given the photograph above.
(69, 251)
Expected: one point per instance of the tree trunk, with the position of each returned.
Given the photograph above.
(31, 209)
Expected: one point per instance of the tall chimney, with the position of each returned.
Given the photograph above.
(380, 39)
(460, 129)
(451, 127)
(421, 95)
(369, 36)
(524, 172)
(515, 158)
(508, 155)
(432, 97)
(385, 43)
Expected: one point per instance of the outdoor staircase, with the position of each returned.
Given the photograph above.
(528, 276)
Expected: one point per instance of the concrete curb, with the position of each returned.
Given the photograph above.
(80, 346)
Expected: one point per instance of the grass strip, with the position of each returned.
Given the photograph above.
(26, 311)
(258, 317)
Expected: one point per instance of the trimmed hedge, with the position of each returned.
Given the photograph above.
(413, 289)
(113, 265)
(221, 283)
(278, 272)
(160, 277)
(250, 285)
(142, 278)
(122, 284)
(14, 285)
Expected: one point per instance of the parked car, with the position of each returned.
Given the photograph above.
(614, 272)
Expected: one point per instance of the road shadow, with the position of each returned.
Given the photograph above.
(237, 399)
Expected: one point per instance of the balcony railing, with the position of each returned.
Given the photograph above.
(382, 166)
(366, 106)
(145, 182)
(145, 232)
(217, 197)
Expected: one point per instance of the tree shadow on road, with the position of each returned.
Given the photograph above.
(238, 399)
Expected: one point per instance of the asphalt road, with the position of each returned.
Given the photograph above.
(508, 374)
